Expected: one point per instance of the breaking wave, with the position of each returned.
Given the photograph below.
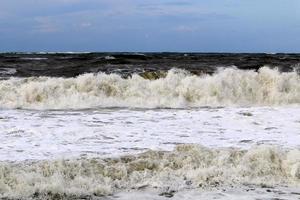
(187, 167)
(178, 89)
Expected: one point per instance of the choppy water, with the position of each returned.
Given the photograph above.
(234, 134)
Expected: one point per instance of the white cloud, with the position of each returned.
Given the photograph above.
(186, 28)
(170, 8)
(86, 24)
(46, 25)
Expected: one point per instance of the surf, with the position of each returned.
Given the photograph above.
(177, 89)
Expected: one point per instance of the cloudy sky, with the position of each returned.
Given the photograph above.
(150, 25)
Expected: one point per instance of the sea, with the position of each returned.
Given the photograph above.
(116, 126)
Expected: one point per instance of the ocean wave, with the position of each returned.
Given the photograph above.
(178, 89)
(7, 71)
(187, 167)
(34, 58)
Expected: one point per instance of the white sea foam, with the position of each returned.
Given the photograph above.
(7, 71)
(44, 135)
(109, 58)
(34, 58)
(187, 167)
(178, 89)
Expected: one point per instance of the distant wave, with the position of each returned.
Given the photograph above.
(178, 89)
(7, 71)
(187, 167)
(35, 58)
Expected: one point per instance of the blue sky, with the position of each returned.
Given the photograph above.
(150, 25)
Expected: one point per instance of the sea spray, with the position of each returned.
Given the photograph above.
(179, 89)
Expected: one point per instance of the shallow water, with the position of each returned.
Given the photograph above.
(33, 134)
(244, 193)
(232, 135)
(38, 145)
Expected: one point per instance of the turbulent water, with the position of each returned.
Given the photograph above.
(187, 167)
(173, 132)
(178, 89)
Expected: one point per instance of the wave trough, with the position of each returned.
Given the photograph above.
(178, 89)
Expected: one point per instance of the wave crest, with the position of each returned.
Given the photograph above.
(187, 167)
(178, 89)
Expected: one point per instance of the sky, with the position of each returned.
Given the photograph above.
(150, 25)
